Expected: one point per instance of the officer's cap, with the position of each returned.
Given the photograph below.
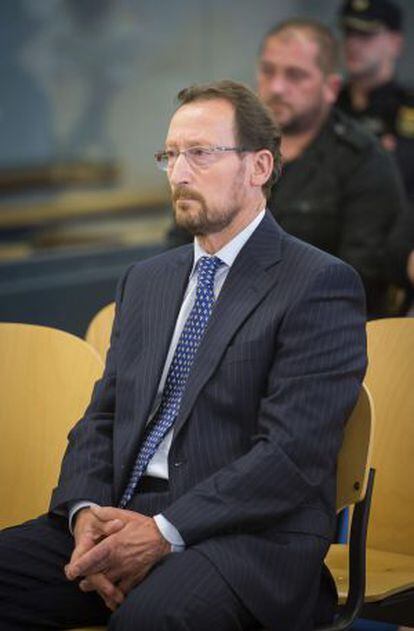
(370, 16)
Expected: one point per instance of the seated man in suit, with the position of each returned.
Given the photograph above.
(200, 484)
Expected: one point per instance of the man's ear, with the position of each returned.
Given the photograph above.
(333, 83)
(396, 44)
(262, 167)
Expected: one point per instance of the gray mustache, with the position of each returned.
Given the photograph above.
(185, 193)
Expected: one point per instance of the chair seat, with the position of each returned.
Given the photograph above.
(388, 573)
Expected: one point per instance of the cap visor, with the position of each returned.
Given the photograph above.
(365, 26)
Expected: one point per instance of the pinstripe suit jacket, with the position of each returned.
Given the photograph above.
(252, 463)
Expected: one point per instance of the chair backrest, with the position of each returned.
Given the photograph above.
(46, 379)
(355, 454)
(99, 329)
(390, 378)
(355, 480)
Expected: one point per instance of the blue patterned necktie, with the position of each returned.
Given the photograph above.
(178, 372)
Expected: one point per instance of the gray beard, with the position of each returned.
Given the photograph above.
(202, 224)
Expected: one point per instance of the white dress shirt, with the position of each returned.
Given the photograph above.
(158, 465)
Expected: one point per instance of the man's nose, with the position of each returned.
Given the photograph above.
(180, 171)
(352, 42)
(277, 84)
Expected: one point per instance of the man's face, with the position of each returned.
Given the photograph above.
(291, 82)
(366, 54)
(206, 199)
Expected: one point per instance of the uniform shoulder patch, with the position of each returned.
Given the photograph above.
(404, 123)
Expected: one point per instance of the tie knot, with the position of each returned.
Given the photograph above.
(207, 267)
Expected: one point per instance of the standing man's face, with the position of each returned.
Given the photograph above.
(367, 54)
(291, 82)
(207, 197)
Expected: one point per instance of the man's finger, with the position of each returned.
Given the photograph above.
(88, 541)
(109, 603)
(108, 513)
(91, 562)
(85, 544)
(99, 583)
(111, 527)
(81, 548)
(126, 584)
(88, 584)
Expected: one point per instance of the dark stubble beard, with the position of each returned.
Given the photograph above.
(300, 123)
(368, 73)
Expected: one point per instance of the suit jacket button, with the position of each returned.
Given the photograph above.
(178, 464)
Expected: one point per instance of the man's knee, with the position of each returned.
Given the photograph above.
(183, 592)
(147, 616)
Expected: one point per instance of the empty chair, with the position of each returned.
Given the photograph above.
(355, 482)
(98, 333)
(46, 379)
(390, 552)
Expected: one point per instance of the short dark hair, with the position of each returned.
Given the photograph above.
(328, 57)
(255, 128)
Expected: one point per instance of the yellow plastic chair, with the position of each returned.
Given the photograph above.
(46, 379)
(390, 549)
(99, 330)
(355, 481)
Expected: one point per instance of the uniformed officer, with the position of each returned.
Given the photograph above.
(373, 40)
(339, 189)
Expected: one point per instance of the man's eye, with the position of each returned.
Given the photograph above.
(170, 154)
(295, 74)
(267, 71)
(198, 152)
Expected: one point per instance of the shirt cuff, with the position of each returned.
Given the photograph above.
(75, 508)
(170, 533)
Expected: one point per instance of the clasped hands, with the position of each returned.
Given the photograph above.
(114, 550)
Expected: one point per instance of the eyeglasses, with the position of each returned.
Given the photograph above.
(200, 157)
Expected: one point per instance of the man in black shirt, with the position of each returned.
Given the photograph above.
(340, 190)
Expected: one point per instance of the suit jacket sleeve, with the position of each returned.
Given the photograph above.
(313, 385)
(87, 467)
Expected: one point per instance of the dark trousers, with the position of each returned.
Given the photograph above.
(183, 592)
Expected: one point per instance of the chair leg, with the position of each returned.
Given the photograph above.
(357, 563)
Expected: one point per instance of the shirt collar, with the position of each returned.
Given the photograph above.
(228, 253)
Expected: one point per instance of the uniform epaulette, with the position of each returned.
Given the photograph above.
(404, 120)
(351, 133)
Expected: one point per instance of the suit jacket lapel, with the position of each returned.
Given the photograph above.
(252, 275)
(167, 301)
